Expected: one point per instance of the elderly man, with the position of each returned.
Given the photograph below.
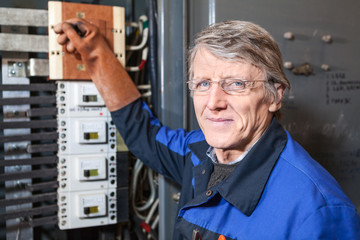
(242, 175)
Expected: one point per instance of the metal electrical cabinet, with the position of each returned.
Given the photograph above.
(321, 110)
(59, 163)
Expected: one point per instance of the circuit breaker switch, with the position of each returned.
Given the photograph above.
(87, 95)
(94, 131)
(91, 173)
(91, 210)
(91, 168)
(91, 135)
(90, 98)
(92, 205)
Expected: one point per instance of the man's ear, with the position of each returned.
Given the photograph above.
(276, 103)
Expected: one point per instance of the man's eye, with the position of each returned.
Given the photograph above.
(238, 84)
(235, 85)
(203, 84)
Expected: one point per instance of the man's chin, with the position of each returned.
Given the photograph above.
(218, 143)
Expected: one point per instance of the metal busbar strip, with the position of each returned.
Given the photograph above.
(34, 198)
(23, 17)
(52, 172)
(23, 43)
(29, 161)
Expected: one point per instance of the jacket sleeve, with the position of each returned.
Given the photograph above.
(331, 222)
(159, 147)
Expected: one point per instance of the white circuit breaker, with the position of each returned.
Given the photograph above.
(79, 99)
(86, 208)
(86, 172)
(87, 157)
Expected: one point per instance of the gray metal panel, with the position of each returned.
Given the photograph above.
(172, 42)
(321, 110)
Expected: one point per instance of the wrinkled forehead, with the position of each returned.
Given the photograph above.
(207, 65)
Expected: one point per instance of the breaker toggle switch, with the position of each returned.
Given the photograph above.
(92, 131)
(92, 205)
(91, 210)
(90, 98)
(91, 135)
(87, 95)
(91, 173)
(91, 168)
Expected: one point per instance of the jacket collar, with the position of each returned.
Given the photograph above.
(244, 187)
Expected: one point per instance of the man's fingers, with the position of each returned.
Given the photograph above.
(71, 34)
(70, 47)
(83, 29)
(62, 39)
(58, 28)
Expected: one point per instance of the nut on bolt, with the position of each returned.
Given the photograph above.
(288, 65)
(325, 67)
(176, 196)
(289, 36)
(327, 38)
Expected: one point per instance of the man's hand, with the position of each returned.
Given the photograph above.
(83, 38)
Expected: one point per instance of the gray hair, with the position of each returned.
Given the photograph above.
(245, 42)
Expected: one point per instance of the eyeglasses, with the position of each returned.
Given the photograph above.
(229, 85)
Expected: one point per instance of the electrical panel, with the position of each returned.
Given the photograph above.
(87, 157)
(58, 132)
(87, 171)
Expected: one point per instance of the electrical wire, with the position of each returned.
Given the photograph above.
(142, 63)
(153, 58)
(143, 21)
(136, 172)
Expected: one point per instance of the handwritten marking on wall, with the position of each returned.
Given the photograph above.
(339, 90)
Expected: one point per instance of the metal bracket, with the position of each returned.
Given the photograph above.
(33, 67)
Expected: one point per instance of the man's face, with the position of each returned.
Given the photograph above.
(230, 122)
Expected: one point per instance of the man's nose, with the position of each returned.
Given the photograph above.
(216, 98)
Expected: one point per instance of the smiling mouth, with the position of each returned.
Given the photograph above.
(220, 120)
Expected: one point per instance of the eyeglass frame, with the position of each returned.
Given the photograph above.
(221, 82)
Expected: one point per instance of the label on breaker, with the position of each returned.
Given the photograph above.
(79, 99)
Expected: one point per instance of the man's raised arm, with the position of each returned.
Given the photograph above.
(85, 40)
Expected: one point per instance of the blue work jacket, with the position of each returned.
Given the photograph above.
(276, 192)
